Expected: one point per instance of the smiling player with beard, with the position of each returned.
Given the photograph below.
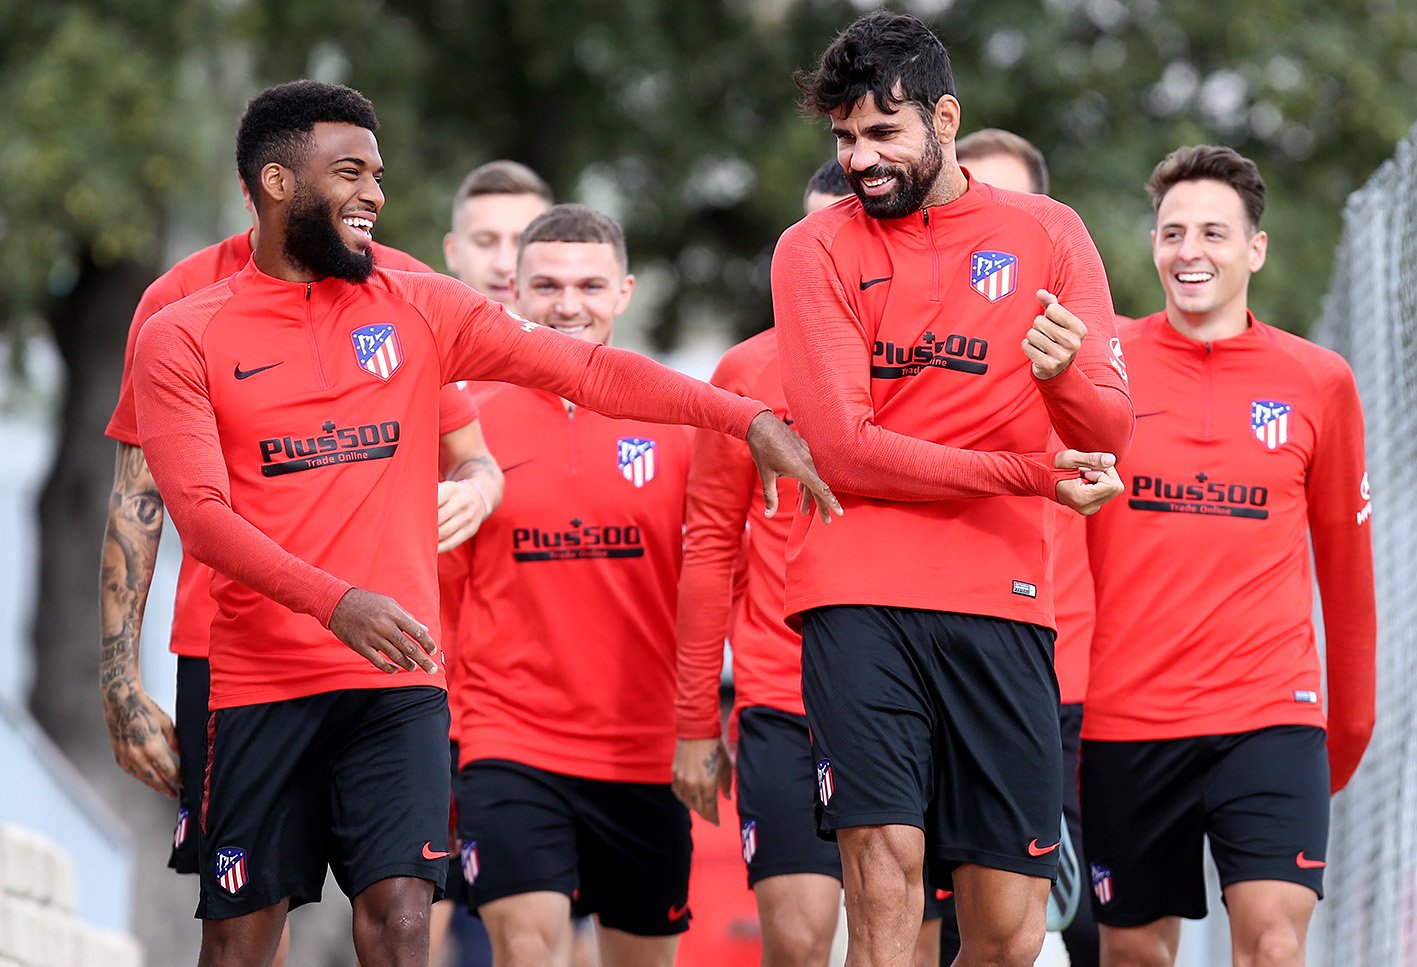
(303, 487)
(927, 660)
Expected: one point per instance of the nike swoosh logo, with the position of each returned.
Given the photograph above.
(867, 284)
(1035, 850)
(678, 913)
(244, 373)
(1152, 413)
(429, 853)
(520, 463)
(1304, 863)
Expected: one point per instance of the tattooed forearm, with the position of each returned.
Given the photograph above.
(483, 468)
(130, 543)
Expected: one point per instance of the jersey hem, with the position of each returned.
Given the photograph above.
(796, 607)
(473, 750)
(339, 682)
(1122, 730)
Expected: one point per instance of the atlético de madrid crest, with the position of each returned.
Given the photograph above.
(1269, 421)
(377, 350)
(635, 458)
(993, 275)
(231, 869)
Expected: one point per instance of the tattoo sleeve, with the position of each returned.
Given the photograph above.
(130, 543)
(484, 470)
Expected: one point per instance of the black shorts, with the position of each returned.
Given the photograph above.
(1261, 798)
(454, 884)
(620, 850)
(777, 798)
(194, 679)
(777, 795)
(946, 722)
(356, 780)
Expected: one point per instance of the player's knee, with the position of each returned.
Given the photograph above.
(525, 948)
(1276, 946)
(797, 942)
(1134, 948)
(1019, 948)
(400, 931)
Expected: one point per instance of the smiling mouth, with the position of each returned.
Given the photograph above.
(360, 225)
(877, 186)
(1193, 278)
(572, 329)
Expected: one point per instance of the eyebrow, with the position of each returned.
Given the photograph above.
(360, 162)
(880, 127)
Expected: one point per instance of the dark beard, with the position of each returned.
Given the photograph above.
(313, 242)
(912, 185)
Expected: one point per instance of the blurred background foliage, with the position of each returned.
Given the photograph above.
(117, 120)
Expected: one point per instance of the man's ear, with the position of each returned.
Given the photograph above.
(946, 117)
(277, 182)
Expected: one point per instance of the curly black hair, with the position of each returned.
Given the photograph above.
(892, 56)
(277, 124)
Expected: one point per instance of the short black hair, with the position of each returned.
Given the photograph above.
(829, 179)
(277, 124)
(892, 56)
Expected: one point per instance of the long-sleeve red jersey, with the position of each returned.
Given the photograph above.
(724, 498)
(292, 431)
(1246, 449)
(194, 608)
(1074, 602)
(900, 351)
(572, 593)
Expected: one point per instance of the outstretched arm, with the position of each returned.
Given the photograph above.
(472, 485)
(143, 738)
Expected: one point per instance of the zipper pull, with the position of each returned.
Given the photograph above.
(925, 213)
(308, 287)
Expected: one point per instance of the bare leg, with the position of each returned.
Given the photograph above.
(885, 898)
(798, 913)
(250, 940)
(1002, 916)
(1152, 945)
(1269, 922)
(391, 922)
(529, 929)
(621, 949)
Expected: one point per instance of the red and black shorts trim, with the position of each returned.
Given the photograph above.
(355, 780)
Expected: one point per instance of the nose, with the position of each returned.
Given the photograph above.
(568, 303)
(505, 261)
(372, 192)
(1189, 249)
(863, 156)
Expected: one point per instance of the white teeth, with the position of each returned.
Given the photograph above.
(1195, 276)
(361, 224)
(572, 330)
(876, 182)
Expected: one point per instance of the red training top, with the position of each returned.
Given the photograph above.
(194, 609)
(900, 346)
(724, 497)
(314, 475)
(1074, 604)
(572, 593)
(1245, 449)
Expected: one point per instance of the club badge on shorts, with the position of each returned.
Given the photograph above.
(1102, 883)
(179, 833)
(994, 275)
(635, 458)
(825, 784)
(470, 864)
(231, 869)
(377, 350)
(750, 840)
(1269, 420)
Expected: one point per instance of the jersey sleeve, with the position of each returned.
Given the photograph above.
(480, 340)
(825, 356)
(456, 408)
(717, 504)
(123, 424)
(1088, 403)
(181, 444)
(1337, 492)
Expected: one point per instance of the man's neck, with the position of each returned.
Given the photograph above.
(270, 255)
(1225, 323)
(950, 185)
